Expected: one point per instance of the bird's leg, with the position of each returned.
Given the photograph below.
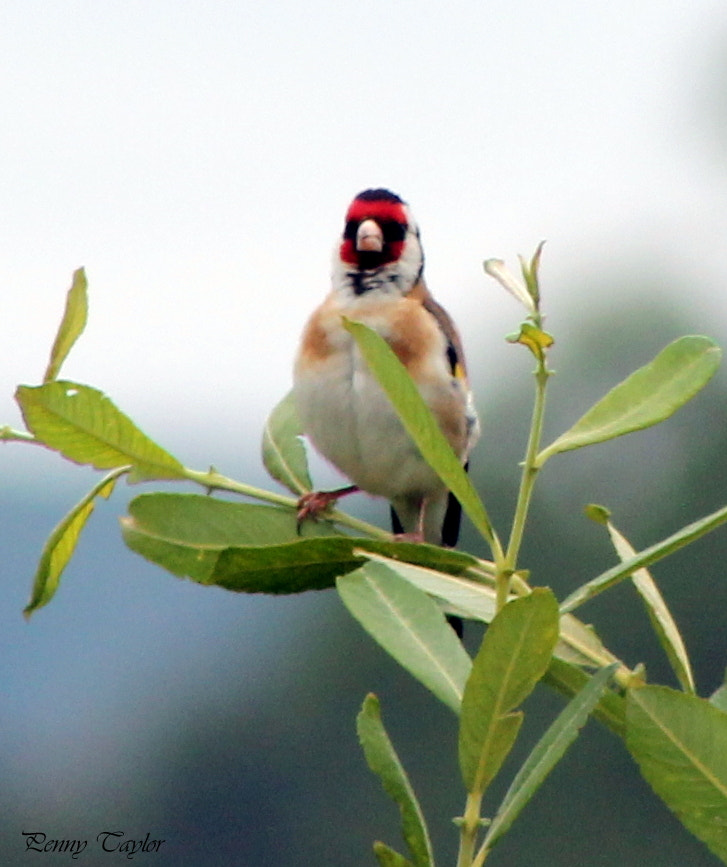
(418, 534)
(311, 505)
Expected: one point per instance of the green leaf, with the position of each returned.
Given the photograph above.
(534, 338)
(597, 514)
(315, 563)
(658, 611)
(719, 698)
(72, 324)
(284, 454)
(578, 643)
(680, 744)
(256, 548)
(201, 521)
(647, 397)
(497, 269)
(515, 653)
(547, 753)
(530, 273)
(388, 857)
(420, 424)
(461, 595)
(61, 543)
(569, 680)
(650, 555)
(83, 425)
(410, 626)
(384, 762)
(186, 533)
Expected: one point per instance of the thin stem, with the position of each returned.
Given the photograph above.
(481, 855)
(470, 826)
(503, 579)
(498, 553)
(530, 467)
(8, 434)
(214, 481)
(502, 588)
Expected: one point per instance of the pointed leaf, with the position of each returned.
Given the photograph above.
(658, 611)
(531, 273)
(203, 521)
(315, 563)
(515, 653)
(254, 548)
(388, 857)
(647, 397)
(384, 762)
(283, 450)
(578, 643)
(569, 680)
(650, 555)
(547, 753)
(186, 533)
(61, 543)
(498, 269)
(72, 324)
(410, 627)
(83, 425)
(461, 595)
(680, 744)
(419, 423)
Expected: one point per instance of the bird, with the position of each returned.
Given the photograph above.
(377, 279)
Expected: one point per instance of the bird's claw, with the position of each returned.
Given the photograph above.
(314, 503)
(416, 537)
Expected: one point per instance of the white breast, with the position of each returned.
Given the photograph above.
(350, 421)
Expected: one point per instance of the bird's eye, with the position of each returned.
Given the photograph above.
(393, 231)
(350, 231)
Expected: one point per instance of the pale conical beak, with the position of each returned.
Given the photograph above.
(369, 237)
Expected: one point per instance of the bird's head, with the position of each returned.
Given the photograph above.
(380, 246)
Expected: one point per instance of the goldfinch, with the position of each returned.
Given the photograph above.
(377, 279)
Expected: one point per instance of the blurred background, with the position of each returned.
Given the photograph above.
(197, 159)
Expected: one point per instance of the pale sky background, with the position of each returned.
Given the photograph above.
(197, 158)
